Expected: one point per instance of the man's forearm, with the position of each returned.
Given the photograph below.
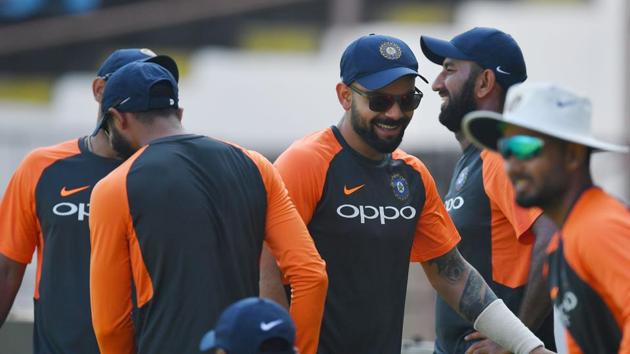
(536, 304)
(271, 286)
(459, 284)
(11, 274)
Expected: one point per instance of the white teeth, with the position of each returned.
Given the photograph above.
(385, 126)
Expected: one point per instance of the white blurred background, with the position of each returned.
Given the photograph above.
(262, 74)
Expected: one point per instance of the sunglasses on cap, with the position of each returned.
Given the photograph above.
(380, 102)
(522, 147)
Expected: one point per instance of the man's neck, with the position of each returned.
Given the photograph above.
(559, 210)
(99, 145)
(160, 128)
(462, 140)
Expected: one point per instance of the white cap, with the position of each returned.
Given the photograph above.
(542, 107)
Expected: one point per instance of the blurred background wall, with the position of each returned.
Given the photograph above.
(262, 74)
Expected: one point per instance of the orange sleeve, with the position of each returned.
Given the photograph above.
(435, 232)
(604, 262)
(303, 167)
(19, 225)
(113, 263)
(20, 230)
(298, 259)
(500, 191)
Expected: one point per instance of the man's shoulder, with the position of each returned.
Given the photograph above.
(321, 146)
(410, 160)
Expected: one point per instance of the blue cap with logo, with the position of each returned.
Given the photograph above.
(130, 89)
(246, 324)
(489, 47)
(375, 61)
(122, 57)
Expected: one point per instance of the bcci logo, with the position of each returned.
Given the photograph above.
(400, 187)
(390, 50)
(461, 179)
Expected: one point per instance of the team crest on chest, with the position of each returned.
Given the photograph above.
(400, 187)
(461, 179)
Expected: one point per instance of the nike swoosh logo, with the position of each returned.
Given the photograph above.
(68, 192)
(269, 325)
(348, 191)
(502, 71)
(563, 104)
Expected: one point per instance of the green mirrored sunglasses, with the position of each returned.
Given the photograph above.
(522, 147)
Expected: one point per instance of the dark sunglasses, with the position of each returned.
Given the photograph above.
(522, 147)
(379, 102)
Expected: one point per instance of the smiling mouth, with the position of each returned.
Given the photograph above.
(387, 126)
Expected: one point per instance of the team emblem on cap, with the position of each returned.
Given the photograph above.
(390, 50)
(400, 187)
(148, 52)
(461, 179)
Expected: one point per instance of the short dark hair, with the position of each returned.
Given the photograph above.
(274, 344)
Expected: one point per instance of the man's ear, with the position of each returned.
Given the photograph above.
(344, 95)
(575, 156)
(486, 82)
(180, 114)
(119, 119)
(98, 86)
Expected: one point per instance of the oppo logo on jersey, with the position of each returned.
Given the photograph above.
(380, 213)
(454, 203)
(569, 302)
(66, 209)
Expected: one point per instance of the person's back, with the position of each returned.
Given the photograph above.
(177, 230)
(198, 208)
(47, 206)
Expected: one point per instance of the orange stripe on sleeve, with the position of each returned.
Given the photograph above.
(294, 249)
(303, 167)
(596, 238)
(114, 263)
(435, 232)
(20, 230)
(512, 238)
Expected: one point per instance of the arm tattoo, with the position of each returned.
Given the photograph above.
(450, 266)
(476, 296)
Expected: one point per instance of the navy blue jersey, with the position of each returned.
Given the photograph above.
(177, 233)
(368, 219)
(46, 207)
(589, 275)
(496, 240)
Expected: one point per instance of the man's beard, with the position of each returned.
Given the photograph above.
(366, 131)
(122, 146)
(458, 106)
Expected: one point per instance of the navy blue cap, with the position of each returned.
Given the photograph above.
(246, 324)
(128, 89)
(489, 47)
(122, 57)
(375, 61)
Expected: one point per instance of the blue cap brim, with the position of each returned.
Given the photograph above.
(437, 49)
(208, 341)
(99, 125)
(383, 78)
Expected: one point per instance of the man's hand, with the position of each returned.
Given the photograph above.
(484, 345)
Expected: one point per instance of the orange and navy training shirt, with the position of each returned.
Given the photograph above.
(368, 219)
(496, 240)
(177, 232)
(46, 206)
(589, 275)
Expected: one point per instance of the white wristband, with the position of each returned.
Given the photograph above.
(498, 323)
